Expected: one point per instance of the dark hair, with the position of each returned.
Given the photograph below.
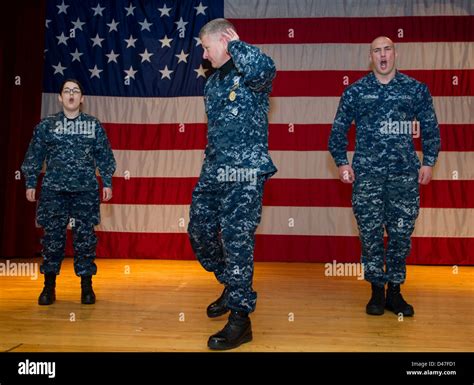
(73, 81)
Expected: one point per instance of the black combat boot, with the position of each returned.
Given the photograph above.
(48, 295)
(376, 304)
(237, 331)
(219, 306)
(396, 303)
(87, 295)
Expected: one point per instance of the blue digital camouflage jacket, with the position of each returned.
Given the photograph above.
(72, 150)
(237, 104)
(387, 117)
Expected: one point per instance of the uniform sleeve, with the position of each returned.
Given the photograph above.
(257, 69)
(342, 123)
(104, 157)
(430, 137)
(35, 156)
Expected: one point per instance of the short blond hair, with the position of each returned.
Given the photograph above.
(216, 26)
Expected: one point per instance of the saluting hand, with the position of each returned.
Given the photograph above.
(106, 194)
(230, 35)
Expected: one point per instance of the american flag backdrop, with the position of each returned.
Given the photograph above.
(140, 63)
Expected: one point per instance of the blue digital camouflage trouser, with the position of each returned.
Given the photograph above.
(223, 219)
(57, 209)
(392, 202)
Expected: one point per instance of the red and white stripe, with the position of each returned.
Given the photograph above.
(319, 48)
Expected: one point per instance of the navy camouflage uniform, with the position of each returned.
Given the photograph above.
(72, 149)
(385, 191)
(225, 212)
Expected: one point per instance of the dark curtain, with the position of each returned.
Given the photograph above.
(21, 68)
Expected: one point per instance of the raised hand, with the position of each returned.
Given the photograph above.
(230, 35)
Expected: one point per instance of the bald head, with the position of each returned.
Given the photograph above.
(381, 41)
(382, 58)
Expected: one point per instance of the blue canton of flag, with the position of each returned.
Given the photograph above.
(145, 48)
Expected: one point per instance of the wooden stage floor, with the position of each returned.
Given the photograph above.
(157, 305)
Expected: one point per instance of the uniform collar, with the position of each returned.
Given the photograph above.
(226, 68)
(63, 116)
(394, 81)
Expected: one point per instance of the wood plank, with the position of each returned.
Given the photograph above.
(160, 306)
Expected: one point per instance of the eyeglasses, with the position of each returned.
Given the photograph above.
(74, 91)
